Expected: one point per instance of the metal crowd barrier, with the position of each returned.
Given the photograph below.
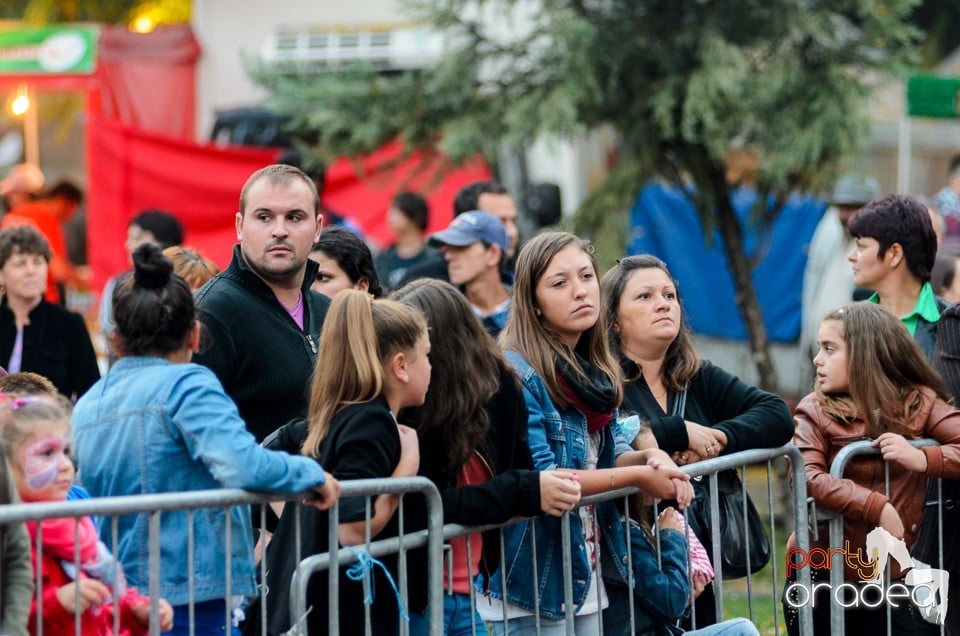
(156, 504)
(709, 469)
(433, 538)
(837, 468)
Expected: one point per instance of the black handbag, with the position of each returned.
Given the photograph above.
(735, 537)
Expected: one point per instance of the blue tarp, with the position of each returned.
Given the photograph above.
(665, 223)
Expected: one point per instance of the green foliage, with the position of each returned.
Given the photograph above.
(683, 81)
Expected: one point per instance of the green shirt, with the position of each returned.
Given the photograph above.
(925, 308)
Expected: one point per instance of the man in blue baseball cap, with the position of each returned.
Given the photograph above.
(474, 246)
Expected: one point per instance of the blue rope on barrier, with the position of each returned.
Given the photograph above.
(362, 569)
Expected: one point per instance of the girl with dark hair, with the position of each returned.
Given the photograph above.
(472, 430)
(345, 263)
(374, 362)
(159, 423)
(555, 339)
(873, 382)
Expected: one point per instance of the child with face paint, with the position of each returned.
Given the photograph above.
(36, 431)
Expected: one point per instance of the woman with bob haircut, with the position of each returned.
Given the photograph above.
(721, 414)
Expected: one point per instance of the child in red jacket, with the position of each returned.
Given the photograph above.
(36, 430)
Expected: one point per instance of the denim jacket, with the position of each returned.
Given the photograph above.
(150, 426)
(660, 590)
(557, 440)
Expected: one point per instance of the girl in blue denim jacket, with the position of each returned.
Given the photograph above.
(661, 587)
(158, 423)
(556, 340)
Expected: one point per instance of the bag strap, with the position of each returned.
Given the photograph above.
(680, 403)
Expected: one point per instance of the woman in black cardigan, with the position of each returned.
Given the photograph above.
(35, 334)
(722, 415)
(473, 445)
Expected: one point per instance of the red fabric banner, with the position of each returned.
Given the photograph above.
(147, 79)
(131, 170)
(362, 189)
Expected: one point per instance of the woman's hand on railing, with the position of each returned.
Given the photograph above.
(559, 491)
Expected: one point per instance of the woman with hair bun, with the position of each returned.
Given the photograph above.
(159, 423)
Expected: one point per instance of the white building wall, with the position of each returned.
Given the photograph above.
(227, 29)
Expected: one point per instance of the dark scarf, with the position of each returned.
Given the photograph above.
(594, 395)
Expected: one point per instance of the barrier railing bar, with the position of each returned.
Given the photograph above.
(837, 469)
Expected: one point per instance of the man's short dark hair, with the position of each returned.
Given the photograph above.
(414, 207)
(899, 219)
(954, 165)
(66, 189)
(469, 195)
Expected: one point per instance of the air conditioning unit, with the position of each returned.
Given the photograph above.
(326, 48)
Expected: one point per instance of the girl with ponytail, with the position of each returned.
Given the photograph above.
(373, 362)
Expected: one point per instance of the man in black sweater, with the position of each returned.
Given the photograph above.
(261, 320)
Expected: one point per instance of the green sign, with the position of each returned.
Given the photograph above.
(69, 49)
(931, 96)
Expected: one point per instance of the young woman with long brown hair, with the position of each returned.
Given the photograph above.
(555, 339)
(472, 430)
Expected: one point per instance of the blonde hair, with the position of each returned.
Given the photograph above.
(884, 367)
(20, 413)
(359, 336)
(191, 266)
(528, 334)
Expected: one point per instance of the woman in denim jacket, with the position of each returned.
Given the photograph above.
(555, 339)
(157, 423)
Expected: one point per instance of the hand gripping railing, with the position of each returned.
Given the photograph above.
(708, 468)
(152, 504)
(837, 468)
(432, 537)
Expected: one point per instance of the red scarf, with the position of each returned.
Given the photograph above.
(596, 420)
(59, 536)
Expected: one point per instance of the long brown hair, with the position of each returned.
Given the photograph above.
(884, 367)
(467, 367)
(528, 334)
(681, 363)
(359, 335)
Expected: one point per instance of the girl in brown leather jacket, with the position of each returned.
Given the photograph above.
(873, 383)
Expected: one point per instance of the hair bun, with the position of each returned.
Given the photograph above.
(151, 269)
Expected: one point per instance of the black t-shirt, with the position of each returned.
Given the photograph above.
(362, 443)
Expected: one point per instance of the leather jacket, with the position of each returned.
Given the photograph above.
(859, 495)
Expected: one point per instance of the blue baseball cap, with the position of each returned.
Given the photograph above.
(469, 228)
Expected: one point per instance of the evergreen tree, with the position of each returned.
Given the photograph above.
(682, 82)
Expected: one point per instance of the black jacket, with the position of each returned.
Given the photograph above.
(514, 490)
(749, 417)
(56, 345)
(261, 356)
(362, 443)
(926, 332)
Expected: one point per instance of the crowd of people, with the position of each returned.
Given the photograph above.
(506, 373)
